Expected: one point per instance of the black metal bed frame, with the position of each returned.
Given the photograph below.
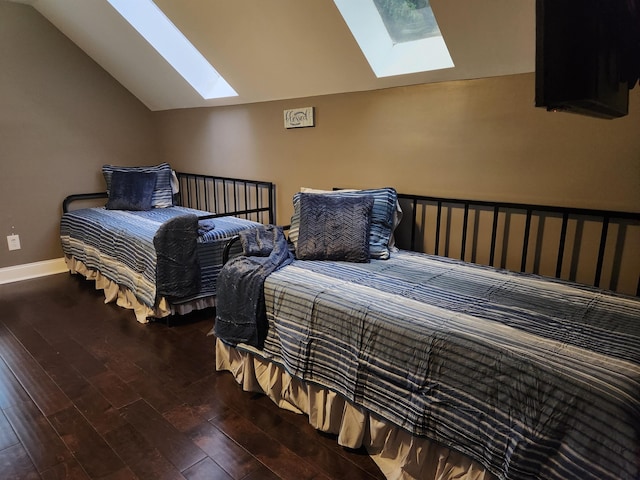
(250, 199)
(616, 231)
(223, 196)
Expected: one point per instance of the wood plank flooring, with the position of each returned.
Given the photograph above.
(86, 392)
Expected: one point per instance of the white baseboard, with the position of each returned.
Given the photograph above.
(18, 273)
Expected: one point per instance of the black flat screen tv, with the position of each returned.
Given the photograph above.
(582, 56)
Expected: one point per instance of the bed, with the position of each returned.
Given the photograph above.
(156, 245)
(527, 367)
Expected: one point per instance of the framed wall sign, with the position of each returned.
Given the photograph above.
(299, 117)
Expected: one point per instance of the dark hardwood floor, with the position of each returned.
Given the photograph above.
(86, 392)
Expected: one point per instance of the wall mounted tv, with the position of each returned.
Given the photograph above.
(587, 55)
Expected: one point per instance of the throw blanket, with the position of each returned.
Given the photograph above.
(240, 310)
(178, 269)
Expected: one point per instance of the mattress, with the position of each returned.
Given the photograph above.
(530, 377)
(119, 245)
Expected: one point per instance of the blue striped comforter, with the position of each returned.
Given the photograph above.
(119, 244)
(533, 378)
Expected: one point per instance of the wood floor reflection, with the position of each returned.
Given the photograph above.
(86, 392)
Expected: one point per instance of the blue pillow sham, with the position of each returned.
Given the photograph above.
(162, 193)
(333, 227)
(382, 218)
(131, 190)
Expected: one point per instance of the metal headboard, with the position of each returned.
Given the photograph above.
(223, 196)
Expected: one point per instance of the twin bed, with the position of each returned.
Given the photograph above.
(526, 367)
(159, 251)
(444, 368)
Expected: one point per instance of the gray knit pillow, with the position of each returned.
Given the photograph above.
(334, 227)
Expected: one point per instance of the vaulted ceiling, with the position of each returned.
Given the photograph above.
(280, 49)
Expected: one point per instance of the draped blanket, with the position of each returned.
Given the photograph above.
(178, 268)
(240, 309)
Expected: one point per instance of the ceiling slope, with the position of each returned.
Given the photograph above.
(280, 49)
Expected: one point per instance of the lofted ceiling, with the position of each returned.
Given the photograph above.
(280, 49)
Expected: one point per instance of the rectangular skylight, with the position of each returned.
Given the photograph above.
(175, 48)
(396, 36)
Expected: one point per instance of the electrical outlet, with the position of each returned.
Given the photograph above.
(13, 241)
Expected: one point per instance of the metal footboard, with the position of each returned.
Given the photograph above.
(596, 247)
(249, 199)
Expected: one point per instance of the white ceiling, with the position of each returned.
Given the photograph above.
(280, 49)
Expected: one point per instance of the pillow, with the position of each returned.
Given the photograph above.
(382, 218)
(162, 193)
(175, 183)
(316, 190)
(334, 227)
(131, 191)
(397, 216)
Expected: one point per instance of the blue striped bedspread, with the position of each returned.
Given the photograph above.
(532, 377)
(119, 244)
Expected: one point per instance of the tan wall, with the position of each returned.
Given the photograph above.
(61, 118)
(476, 139)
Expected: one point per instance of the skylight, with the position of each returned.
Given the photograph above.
(164, 36)
(396, 36)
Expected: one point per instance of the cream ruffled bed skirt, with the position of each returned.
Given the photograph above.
(399, 455)
(125, 298)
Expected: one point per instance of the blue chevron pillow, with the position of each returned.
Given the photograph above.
(383, 215)
(333, 227)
